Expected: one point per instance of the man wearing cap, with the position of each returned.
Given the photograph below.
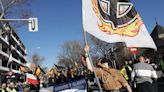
(111, 79)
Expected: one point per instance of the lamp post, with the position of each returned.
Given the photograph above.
(32, 23)
(33, 26)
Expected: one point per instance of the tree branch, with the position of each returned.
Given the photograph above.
(6, 9)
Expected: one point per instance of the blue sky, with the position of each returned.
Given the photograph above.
(61, 20)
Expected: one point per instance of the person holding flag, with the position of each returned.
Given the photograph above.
(111, 79)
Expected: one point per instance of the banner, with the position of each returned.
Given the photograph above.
(31, 79)
(115, 21)
(72, 86)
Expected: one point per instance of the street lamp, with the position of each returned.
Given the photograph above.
(32, 23)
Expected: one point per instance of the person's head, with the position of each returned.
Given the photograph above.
(141, 59)
(130, 62)
(126, 62)
(12, 84)
(4, 86)
(103, 62)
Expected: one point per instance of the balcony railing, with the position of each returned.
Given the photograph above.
(19, 44)
(3, 39)
(18, 52)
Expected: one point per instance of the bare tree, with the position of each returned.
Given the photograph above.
(114, 51)
(70, 53)
(64, 61)
(101, 48)
(36, 59)
(15, 9)
(120, 53)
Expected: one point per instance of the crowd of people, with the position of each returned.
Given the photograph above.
(135, 77)
(67, 74)
(19, 84)
(15, 87)
(138, 76)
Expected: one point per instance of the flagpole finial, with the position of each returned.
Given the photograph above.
(156, 22)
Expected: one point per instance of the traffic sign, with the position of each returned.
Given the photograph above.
(133, 50)
(33, 24)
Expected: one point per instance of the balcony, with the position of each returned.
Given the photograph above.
(3, 40)
(4, 68)
(3, 54)
(18, 53)
(17, 42)
(17, 61)
(7, 69)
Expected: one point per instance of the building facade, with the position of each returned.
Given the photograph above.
(157, 57)
(12, 53)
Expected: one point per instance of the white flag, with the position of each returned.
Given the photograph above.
(114, 21)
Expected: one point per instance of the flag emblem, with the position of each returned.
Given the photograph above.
(114, 17)
(115, 21)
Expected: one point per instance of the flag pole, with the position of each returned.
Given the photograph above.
(86, 43)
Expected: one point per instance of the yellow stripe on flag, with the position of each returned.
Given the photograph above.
(38, 71)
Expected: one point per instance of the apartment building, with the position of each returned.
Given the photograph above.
(12, 53)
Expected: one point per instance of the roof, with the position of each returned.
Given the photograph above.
(158, 29)
(158, 35)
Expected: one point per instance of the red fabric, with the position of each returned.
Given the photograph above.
(32, 81)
